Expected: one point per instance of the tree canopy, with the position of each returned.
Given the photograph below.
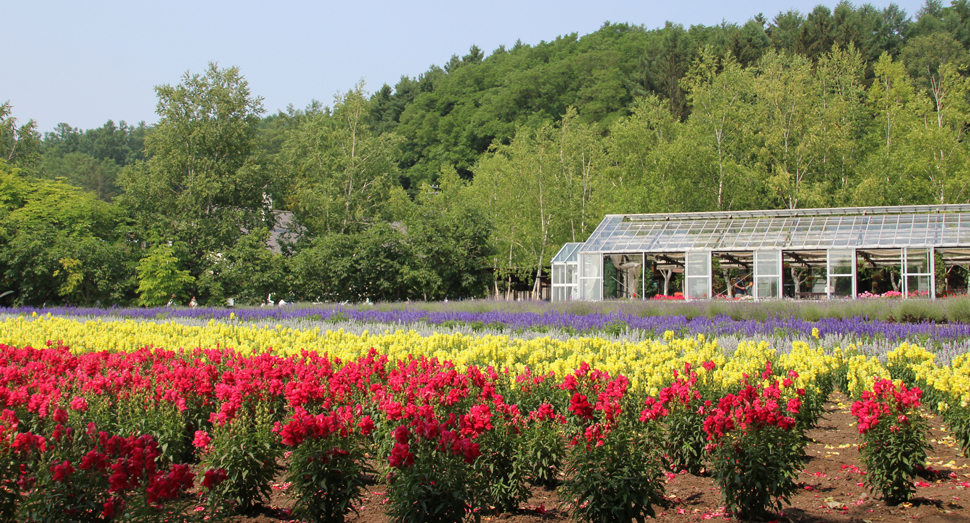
(467, 178)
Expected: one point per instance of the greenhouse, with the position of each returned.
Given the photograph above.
(800, 253)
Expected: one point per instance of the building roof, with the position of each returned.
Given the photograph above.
(797, 229)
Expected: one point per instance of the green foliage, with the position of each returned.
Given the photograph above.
(160, 278)
(246, 448)
(503, 466)
(756, 471)
(18, 144)
(247, 272)
(203, 181)
(618, 479)
(894, 450)
(440, 487)
(61, 244)
(338, 171)
(327, 475)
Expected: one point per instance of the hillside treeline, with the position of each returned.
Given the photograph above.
(466, 179)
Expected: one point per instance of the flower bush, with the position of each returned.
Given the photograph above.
(432, 479)
(755, 446)
(244, 446)
(328, 464)
(614, 464)
(683, 408)
(894, 438)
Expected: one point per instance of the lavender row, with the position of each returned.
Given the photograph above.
(612, 322)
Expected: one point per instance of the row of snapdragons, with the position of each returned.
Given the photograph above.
(646, 363)
(457, 437)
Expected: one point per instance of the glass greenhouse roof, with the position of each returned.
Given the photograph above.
(798, 229)
(568, 253)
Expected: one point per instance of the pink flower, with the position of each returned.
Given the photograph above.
(79, 404)
(202, 440)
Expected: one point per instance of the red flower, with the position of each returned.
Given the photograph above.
(202, 439)
(62, 471)
(366, 425)
(110, 507)
(213, 477)
(579, 405)
(401, 456)
(79, 404)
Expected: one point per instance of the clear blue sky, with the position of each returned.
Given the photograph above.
(85, 62)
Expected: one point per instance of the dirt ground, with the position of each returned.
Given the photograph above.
(832, 488)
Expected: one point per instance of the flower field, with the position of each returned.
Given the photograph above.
(114, 419)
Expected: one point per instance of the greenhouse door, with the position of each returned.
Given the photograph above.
(767, 274)
(591, 277)
(697, 280)
(917, 269)
(842, 273)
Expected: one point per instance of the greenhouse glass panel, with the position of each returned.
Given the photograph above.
(768, 263)
(769, 288)
(842, 286)
(698, 275)
(918, 286)
(698, 263)
(698, 288)
(841, 261)
(917, 261)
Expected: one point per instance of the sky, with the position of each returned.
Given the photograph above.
(86, 62)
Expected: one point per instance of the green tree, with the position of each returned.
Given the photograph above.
(719, 134)
(644, 172)
(60, 244)
(791, 149)
(892, 100)
(248, 272)
(538, 191)
(448, 231)
(203, 182)
(841, 122)
(85, 172)
(18, 144)
(339, 170)
(160, 278)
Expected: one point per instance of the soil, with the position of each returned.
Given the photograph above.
(831, 487)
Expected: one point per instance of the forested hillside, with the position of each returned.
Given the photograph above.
(474, 173)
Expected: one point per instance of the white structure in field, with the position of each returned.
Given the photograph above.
(800, 253)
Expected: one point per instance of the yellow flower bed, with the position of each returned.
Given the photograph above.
(648, 364)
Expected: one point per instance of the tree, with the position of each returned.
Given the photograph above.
(643, 174)
(18, 145)
(719, 133)
(925, 57)
(791, 149)
(891, 99)
(160, 278)
(203, 182)
(339, 170)
(85, 172)
(59, 244)
(448, 231)
(665, 63)
(538, 190)
(247, 272)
